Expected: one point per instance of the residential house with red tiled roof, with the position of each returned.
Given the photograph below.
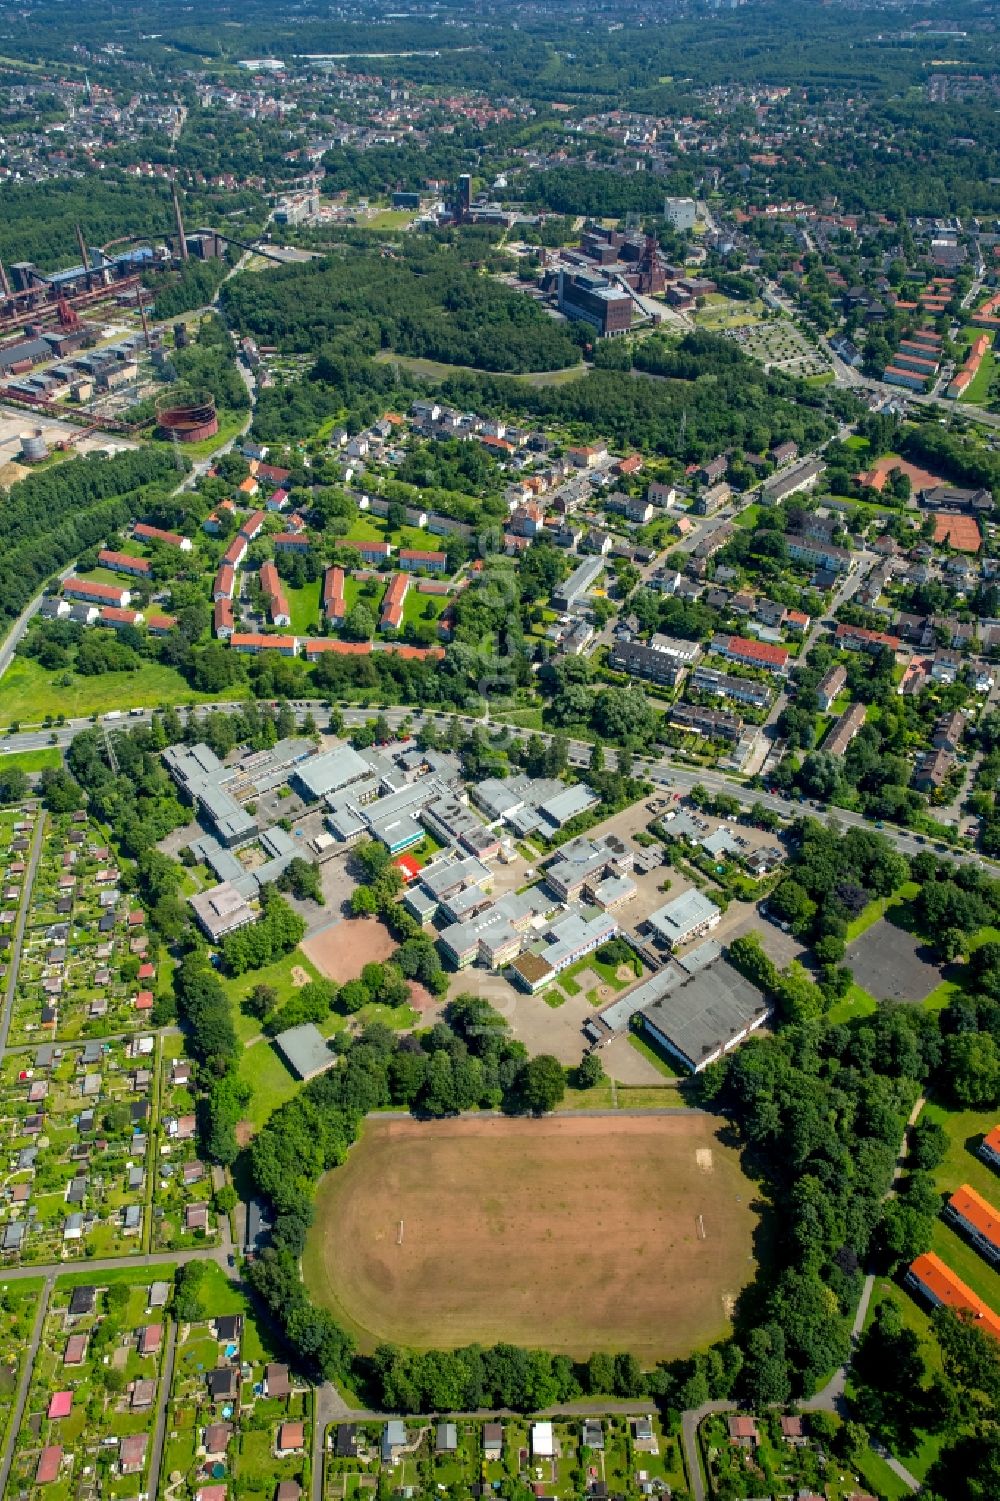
(96, 592)
(392, 604)
(123, 562)
(252, 644)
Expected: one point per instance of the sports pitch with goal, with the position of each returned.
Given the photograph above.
(573, 1233)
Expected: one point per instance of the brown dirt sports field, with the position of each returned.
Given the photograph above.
(594, 1232)
(342, 950)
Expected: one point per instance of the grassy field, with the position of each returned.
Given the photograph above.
(979, 390)
(278, 975)
(720, 312)
(47, 757)
(28, 692)
(272, 1082)
(857, 1002)
(303, 606)
(419, 609)
(965, 1130)
(390, 218)
(651, 1214)
(653, 1055)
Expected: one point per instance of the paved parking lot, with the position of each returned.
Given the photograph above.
(893, 965)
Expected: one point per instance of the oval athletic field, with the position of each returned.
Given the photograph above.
(573, 1233)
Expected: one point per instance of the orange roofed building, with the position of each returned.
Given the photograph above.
(939, 1285)
(977, 1218)
(989, 1148)
(392, 604)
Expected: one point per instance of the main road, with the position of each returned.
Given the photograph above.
(659, 769)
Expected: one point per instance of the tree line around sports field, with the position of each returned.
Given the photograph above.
(821, 1107)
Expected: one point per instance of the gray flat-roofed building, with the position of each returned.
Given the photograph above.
(714, 1010)
(569, 803)
(305, 1050)
(13, 1235)
(621, 1011)
(345, 822)
(583, 860)
(269, 769)
(613, 891)
(198, 771)
(722, 842)
(444, 877)
(683, 826)
(222, 910)
(420, 904)
(315, 778)
(580, 582)
(686, 917)
(208, 851)
(706, 953)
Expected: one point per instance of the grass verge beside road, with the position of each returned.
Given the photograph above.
(29, 694)
(46, 758)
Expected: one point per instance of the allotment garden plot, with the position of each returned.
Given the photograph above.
(90, 1414)
(628, 1233)
(76, 1121)
(182, 1188)
(234, 1419)
(86, 969)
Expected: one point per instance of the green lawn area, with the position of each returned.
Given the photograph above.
(966, 1263)
(414, 537)
(944, 993)
(749, 517)
(130, 1275)
(33, 760)
(858, 443)
(28, 692)
(965, 1129)
(884, 1483)
(421, 609)
(879, 908)
(303, 606)
(720, 311)
(272, 1082)
(365, 528)
(915, 1318)
(438, 370)
(353, 594)
(105, 576)
(278, 975)
(857, 1002)
(979, 390)
(390, 218)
